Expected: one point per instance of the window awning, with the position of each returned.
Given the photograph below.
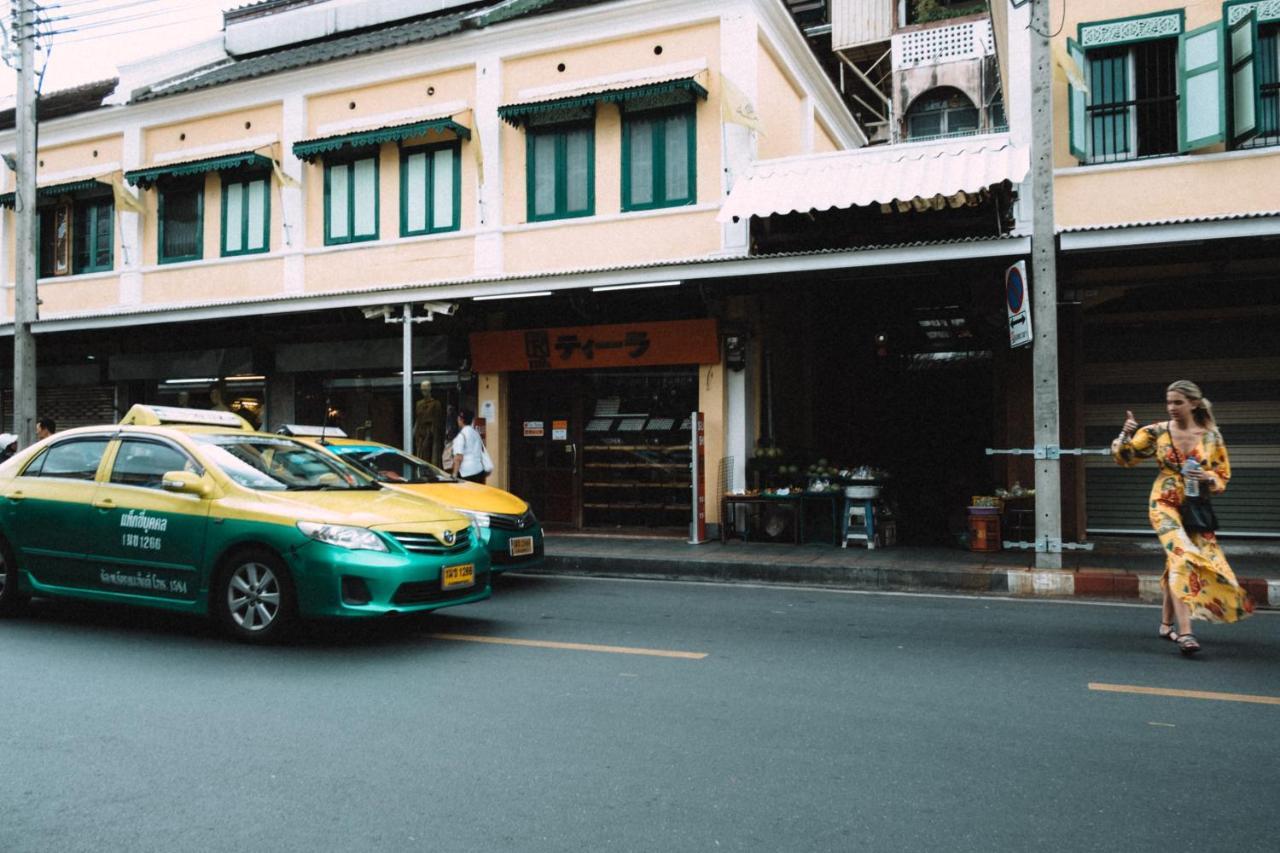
(88, 186)
(147, 178)
(624, 91)
(311, 149)
(919, 176)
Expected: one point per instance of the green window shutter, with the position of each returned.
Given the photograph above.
(1077, 100)
(560, 172)
(430, 189)
(659, 150)
(351, 200)
(1202, 109)
(1243, 41)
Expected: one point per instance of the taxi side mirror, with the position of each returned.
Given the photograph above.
(185, 482)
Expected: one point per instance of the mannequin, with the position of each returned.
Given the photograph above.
(428, 426)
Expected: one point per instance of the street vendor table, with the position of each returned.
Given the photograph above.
(795, 503)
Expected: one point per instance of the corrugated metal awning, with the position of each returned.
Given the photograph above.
(618, 91)
(311, 149)
(901, 174)
(146, 178)
(88, 186)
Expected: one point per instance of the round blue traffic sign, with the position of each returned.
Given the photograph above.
(1015, 290)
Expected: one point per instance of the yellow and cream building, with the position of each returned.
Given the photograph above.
(231, 223)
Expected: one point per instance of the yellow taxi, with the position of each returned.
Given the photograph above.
(508, 525)
(192, 510)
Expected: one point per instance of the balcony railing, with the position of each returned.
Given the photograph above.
(943, 42)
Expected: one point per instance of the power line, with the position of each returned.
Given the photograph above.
(61, 41)
(112, 23)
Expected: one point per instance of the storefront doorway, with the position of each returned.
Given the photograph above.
(605, 450)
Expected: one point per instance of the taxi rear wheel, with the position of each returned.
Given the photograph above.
(11, 601)
(253, 598)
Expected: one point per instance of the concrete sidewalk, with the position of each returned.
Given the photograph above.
(1116, 569)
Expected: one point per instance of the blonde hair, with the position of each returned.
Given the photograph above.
(1203, 410)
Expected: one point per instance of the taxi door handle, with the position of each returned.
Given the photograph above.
(105, 503)
(15, 496)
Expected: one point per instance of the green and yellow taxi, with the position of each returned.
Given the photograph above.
(506, 523)
(192, 510)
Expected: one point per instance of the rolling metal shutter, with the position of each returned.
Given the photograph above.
(75, 406)
(1246, 402)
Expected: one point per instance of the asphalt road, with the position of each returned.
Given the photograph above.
(815, 721)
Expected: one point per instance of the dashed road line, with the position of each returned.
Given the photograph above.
(1184, 694)
(574, 647)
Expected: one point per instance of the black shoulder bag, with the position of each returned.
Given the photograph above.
(1197, 512)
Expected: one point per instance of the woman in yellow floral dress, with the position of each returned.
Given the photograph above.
(1197, 582)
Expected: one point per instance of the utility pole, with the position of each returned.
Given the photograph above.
(24, 343)
(1044, 304)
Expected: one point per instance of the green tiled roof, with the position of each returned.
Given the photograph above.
(518, 114)
(71, 188)
(310, 149)
(146, 178)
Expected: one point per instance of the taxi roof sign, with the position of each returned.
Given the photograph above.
(147, 415)
(311, 431)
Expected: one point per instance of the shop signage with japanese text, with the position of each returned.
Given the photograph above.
(586, 347)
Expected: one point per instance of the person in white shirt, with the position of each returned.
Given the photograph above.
(468, 463)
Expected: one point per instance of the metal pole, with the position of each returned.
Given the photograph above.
(24, 344)
(407, 385)
(1044, 305)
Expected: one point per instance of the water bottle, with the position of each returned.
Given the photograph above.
(1190, 486)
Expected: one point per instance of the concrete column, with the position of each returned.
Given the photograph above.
(1018, 109)
(6, 250)
(487, 133)
(293, 200)
(132, 226)
(280, 400)
(712, 404)
(739, 48)
(491, 404)
(1044, 295)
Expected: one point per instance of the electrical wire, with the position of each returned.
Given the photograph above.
(97, 25)
(55, 26)
(97, 12)
(131, 30)
(1062, 22)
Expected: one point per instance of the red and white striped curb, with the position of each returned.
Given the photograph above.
(1100, 583)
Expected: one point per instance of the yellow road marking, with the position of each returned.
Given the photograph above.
(576, 647)
(1185, 694)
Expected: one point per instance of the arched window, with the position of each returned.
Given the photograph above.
(941, 112)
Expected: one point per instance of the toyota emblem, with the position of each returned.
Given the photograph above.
(449, 537)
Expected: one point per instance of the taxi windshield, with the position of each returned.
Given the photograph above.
(278, 464)
(392, 466)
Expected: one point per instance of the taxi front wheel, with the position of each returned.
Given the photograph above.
(11, 600)
(253, 598)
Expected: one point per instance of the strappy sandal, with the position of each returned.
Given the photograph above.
(1166, 632)
(1188, 644)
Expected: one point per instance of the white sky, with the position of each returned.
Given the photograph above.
(97, 36)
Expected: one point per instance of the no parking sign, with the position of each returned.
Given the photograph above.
(1018, 301)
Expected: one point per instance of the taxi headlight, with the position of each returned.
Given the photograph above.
(479, 519)
(341, 536)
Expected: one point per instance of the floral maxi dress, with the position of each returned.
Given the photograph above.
(1195, 568)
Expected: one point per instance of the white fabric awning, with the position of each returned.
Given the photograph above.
(876, 175)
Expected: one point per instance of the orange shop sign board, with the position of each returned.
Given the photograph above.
(584, 347)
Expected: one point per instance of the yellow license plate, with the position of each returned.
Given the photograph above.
(521, 546)
(458, 576)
